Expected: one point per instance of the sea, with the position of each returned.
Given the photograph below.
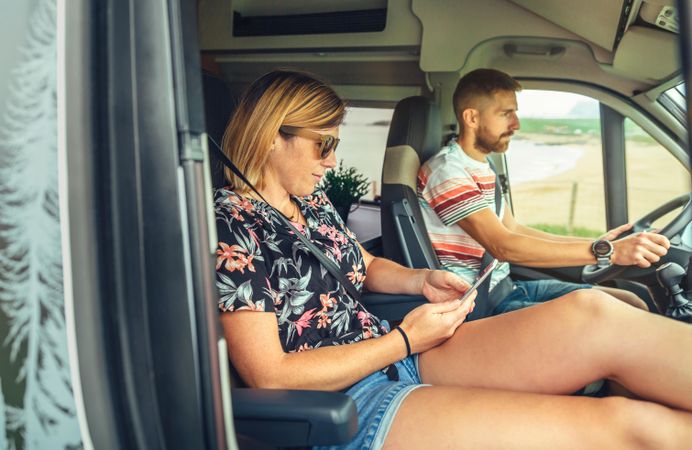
(363, 144)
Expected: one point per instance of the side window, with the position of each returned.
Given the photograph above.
(674, 100)
(363, 141)
(654, 175)
(555, 164)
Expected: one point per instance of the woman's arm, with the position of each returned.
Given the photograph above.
(388, 277)
(255, 350)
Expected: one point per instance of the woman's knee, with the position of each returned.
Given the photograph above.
(646, 425)
(593, 303)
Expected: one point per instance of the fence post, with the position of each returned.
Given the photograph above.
(572, 207)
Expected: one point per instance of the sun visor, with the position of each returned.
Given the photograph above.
(647, 54)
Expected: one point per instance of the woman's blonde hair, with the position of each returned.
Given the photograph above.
(278, 98)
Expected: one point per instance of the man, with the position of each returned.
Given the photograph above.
(456, 189)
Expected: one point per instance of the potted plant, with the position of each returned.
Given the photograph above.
(344, 187)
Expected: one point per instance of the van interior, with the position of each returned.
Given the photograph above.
(408, 56)
(603, 142)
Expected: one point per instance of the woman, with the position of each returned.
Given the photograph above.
(497, 382)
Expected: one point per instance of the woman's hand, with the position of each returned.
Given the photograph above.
(442, 286)
(431, 324)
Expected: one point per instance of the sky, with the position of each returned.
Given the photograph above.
(532, 103)
(552, 104)
(365, 116)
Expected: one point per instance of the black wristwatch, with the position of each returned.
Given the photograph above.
(602, 249)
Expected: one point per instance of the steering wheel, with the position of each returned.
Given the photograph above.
(593, 274)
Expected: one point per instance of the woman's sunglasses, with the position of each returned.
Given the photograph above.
(327, 142)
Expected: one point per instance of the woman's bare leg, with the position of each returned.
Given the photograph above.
(560, 346)
(451, 417)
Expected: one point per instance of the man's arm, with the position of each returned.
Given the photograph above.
(509, 244)
(510, 222)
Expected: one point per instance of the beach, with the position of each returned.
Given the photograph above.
(654, 177)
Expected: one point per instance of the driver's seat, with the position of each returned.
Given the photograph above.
(415, 134)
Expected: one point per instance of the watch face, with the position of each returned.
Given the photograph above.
(602, 248)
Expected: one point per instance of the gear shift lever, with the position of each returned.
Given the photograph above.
(669, 276)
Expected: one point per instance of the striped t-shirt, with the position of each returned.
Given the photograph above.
(451, 187)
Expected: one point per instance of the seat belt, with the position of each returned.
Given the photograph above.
(484, 306)
(324, 260)
(390, 371)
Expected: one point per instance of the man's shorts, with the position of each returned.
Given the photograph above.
(529, 293)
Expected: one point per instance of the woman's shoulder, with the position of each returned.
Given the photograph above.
(237, 213)
(228, 201)
(225, 196)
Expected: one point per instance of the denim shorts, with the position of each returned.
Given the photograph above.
(529, 293)
(378, 399)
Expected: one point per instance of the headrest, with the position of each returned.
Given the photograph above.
(416, 122)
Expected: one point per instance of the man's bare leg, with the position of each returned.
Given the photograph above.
(625, 296)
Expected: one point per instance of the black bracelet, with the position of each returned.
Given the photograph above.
(408, 345)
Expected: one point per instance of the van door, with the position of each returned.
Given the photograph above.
(141, 267)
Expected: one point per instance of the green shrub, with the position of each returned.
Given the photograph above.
(344, 186)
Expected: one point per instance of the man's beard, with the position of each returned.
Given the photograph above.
(487, 143)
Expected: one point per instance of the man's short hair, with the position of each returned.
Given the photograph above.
(479, 84)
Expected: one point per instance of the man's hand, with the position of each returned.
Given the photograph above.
(640, 249)
(615, 232)
(442, 286)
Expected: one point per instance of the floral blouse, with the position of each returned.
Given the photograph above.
(262, 266)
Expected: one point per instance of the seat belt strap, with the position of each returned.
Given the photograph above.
(390, 371)
(484, 288)
(324, 260)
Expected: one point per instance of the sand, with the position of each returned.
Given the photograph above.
(654, 177)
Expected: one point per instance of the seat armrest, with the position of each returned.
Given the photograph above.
(294, 418)
(391, 306)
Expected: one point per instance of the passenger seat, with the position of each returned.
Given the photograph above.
(415, 135)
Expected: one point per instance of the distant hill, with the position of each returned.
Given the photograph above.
(586, 109)
(580, 126)
(561, 126)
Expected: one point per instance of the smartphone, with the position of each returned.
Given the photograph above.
(481, 276)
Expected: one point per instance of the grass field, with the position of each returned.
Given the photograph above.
(576, 127)
(563, 231)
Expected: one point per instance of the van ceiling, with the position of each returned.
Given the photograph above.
(284, 8)
(550, 39)
(595, 20)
